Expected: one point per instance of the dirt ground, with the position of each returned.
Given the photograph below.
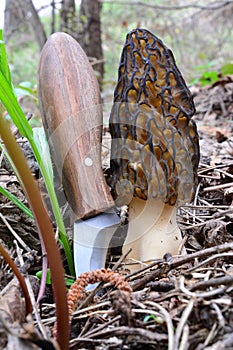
(176, 303)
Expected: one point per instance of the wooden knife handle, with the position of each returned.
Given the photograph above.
(71, 111)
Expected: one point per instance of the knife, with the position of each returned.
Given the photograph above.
(70, 107)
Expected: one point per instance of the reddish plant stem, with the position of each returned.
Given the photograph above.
(10, 262)
(45, 231)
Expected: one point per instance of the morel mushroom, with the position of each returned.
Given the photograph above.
(155, 149)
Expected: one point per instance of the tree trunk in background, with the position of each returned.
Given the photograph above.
(86, 29)
(89, 34)
(34, 20)
(13, 18)
(68, 17)
(28, 14)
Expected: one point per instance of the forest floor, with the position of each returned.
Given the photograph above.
(176, 303)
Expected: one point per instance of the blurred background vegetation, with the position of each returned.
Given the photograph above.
(198, 32)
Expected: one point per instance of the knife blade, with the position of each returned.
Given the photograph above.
(71, 112)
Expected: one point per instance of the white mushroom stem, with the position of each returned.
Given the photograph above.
(152, 231)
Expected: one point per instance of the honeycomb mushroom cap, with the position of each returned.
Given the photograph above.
(155, 148)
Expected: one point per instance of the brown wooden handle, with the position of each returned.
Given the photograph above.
(72, 116)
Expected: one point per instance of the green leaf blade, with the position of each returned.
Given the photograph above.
(16, 201)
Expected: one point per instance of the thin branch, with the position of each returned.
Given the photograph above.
(44, 7)
(205, 262)
(128, 331)
(164, 267)
(225, 280)
(184, 318)
(199, 295)
(218, 187)
(14, 233)
(168, 319)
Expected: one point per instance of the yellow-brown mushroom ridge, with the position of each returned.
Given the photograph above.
(155, 149)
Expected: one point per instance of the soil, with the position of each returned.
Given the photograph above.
(182, 302)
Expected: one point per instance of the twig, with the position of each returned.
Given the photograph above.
(194, 215)
(182, 322)
(90, 342)
(201, 224)
(124, 331)
(31, 294)
(168, 320)
(100, 328)
(203, 207)
(199, 295)
(184, 344)
(211, 334)
(19, 239)
(147, 311)
(142, 271)
(214, 257)
(225, 173)
(164, 267)
(91, 308)
(122, 258)
(219, 315)
(97, 312)
(210, 167)
(227, 342)
(221, 248)
(226, 280)
(218, 187)
(96, 307)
